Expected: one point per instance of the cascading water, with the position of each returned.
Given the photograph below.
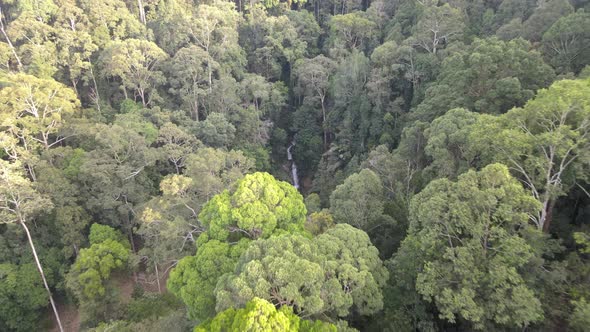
(294, 175)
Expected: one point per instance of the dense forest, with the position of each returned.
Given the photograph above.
(298, 165)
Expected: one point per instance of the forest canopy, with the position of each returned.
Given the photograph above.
(294, 165)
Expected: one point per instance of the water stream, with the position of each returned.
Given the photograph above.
(294, 176)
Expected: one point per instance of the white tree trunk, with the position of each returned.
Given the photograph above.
(40, 268)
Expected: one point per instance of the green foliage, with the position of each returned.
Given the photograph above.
(337, 273)
(22, 297)
(194, 278)
(258, 207)
(359, 201)
(555, 120)
(152, 306)
(135, 62)
(93, 267)
(436, 26)
(490, 76)
(216, 131)
(88, 278)
(313, 203)
(470, 243)
(148, 115)
(352, 31)
(448, 143)
(580, 317)
(318, 222)
(260, 315)
(100, 233)
(19, 201)
(567, 42)
(33, 110)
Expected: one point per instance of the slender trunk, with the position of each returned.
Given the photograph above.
(142, 95)
(32, 173)
(158, 277)
(19, 64)
(75, 86)
(40, 268)
(324, 123)
(210, 71)
(95, 89)
(196, 105)
(548, 216)
(141, 11)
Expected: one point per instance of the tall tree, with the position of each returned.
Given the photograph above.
(136, 63)
(567, 42)
(490, 76)
(359, 201)
(33, 110)
(314, 77)
(19, 204)
(189, 70)
(470, 243)
(257, 207)
(545, 143)
(437, 26)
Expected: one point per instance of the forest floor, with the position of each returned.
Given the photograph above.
(70, 317)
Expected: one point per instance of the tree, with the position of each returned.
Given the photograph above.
(213, 170)
(136, 63)
(216, 131)
(543, 18)
(74, 44)
(337, 273)
(19, 204)
(189, 77)
(110, 21)
(448, 143)
(472, 241)
(114, 176)
(313, 76)
(352, 119)
(176, 145)
(437, 26)
(261, 315)
(257, 207)
(545, 143)
(359, 201)
(491, 76)
(21, 297)
(33, 110)
(567, 42)
(194, 278)
(88, 277)
(214, 29)
(354, 31)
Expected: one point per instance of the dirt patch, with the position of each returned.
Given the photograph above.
(70, 318)
(124, 283)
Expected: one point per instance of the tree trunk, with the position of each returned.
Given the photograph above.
(95, 89)
(19, 64)
(324, 123)
(141, 11)
(548, 216)
(40, 268)
(158, 277)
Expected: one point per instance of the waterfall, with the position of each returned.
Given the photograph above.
(294, 175)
